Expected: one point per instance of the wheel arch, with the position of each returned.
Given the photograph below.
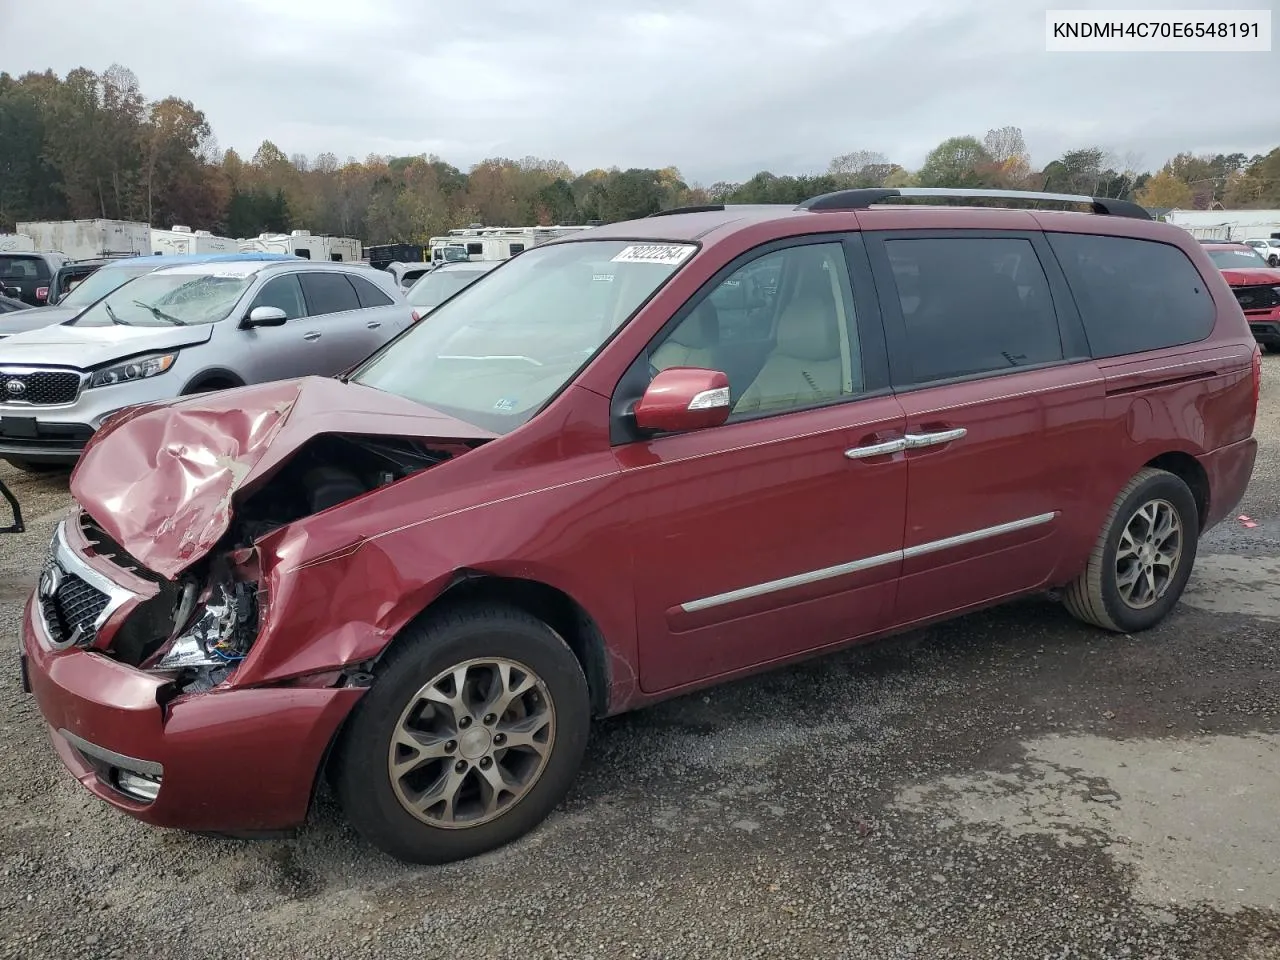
(1187, 469)
(554, 607)
(217, 378)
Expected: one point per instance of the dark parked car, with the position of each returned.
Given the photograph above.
(580, 486)
(26, 276)
(74, 272)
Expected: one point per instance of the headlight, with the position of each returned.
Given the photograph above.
(139, 368)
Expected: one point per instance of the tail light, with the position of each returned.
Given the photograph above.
(416, 316)
(42, 294)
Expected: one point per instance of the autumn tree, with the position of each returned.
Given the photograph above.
(1165, 191)
(956, 162)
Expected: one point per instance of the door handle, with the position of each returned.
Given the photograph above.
(313, 335)
(914, 441)
(876, 449)
(374, 324)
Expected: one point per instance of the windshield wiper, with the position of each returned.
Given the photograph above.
(159, 314)
(112, 315)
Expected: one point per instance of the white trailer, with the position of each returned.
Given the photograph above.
(16, 243)
(180, 239)
(305, 244)
(1227, 224)
(493, 243)
(88, 239)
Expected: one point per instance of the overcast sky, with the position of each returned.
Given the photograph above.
(719, 88)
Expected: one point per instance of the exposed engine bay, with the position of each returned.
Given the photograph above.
(202, 625)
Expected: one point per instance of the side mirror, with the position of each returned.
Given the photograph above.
(684, 398)
(265, 317)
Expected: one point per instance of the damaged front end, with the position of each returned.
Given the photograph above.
(214, 626)
(175, 503)
(198, 627)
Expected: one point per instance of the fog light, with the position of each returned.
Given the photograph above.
(138, 786)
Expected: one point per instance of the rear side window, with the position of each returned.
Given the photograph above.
(328, 293)
(973, 305)
(1134, 295)
(370, 295)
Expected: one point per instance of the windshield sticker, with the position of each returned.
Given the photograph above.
(602, 278)
(667, 254)
(506, 404)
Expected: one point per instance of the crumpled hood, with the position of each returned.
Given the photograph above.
(87, 347)
(21, 321)
(161, 479)
(1251, 277)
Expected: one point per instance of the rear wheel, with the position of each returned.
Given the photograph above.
(1143, 557)
(471, 734)
(1273, 260)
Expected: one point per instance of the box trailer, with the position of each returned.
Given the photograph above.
(493, 243)
(305, 244)
(179, 240)
(16, 243)
(90, 239)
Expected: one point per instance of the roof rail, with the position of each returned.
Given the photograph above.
(864, 198)
(698, 208)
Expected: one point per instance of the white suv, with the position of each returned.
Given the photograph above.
(1268, 249)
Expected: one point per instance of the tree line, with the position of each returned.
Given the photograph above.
(92, 145)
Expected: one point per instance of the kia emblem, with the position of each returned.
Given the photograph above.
(50, 581)
(15, 388)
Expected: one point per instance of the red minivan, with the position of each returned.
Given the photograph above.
(645, 459)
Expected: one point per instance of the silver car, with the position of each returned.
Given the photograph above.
(183, 330)
(443, 281)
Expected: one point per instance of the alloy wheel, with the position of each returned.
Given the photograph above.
(1148, 554)
(471, 743)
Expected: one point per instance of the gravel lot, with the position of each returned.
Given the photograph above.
(1007, 785)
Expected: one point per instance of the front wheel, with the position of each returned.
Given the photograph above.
(473, 731)
(1273, 260)
(1143, 557)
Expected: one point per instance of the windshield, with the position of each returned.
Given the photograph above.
(1238, 259)
(439, 285)
(494, 354)
(101, 282)
(180, 298)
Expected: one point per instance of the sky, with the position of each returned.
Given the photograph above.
(720, 89)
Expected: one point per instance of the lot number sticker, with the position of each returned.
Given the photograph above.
(667, 254)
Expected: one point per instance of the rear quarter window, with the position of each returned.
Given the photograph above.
(370, 296)
(1134, 295)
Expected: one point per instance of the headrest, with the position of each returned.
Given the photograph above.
(699, 330)
(807, 330)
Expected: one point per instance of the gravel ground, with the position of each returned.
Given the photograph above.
(1006, 785)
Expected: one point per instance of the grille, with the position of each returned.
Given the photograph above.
(42, 387)
(76, 605)
(1264, 297)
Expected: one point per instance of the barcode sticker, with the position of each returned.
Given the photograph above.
(667, 254)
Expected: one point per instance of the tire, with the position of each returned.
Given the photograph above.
(1273, 261)
(1096, 596)
(36, 466)
(431, 650)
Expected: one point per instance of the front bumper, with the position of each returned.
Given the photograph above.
(58, 432)
(230, 760)
(1266, 332)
